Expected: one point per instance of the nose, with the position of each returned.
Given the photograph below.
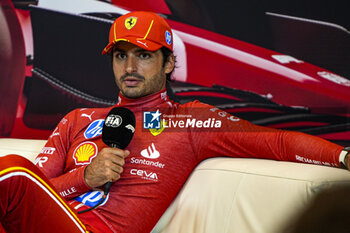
(130, 65)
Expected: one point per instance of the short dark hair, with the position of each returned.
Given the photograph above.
(166, 55)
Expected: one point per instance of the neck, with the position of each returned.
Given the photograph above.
(148, 101)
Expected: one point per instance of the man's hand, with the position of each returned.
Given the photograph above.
(107, 166)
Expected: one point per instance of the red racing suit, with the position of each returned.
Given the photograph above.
(162, 159)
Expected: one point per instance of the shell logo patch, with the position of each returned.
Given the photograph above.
(130, 22)
(84, 153)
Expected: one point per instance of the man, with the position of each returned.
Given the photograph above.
(149, 173)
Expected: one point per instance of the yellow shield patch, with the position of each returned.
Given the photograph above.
(156, 132)
(130, 22)
(84, 153)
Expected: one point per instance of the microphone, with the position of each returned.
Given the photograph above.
(117, 132)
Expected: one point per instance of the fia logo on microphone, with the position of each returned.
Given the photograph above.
(151, 120)
(113, 121)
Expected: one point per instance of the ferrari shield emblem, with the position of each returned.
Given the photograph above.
(156, 132)
(130, 22)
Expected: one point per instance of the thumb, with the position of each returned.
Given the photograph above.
(126, 153)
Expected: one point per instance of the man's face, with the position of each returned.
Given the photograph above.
(139, 72)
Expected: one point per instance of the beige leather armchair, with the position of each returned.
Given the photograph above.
(232, 195)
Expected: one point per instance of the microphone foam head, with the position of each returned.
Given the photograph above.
(118, 128)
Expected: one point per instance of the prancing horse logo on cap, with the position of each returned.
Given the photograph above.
(130, 22)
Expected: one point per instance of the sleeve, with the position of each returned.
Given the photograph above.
(51, 160)
(239, 138)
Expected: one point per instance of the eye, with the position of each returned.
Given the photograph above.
(144, 55)
(120, 56)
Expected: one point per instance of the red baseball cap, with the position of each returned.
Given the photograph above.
(144, 29)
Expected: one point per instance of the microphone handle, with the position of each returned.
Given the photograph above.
(107, 186)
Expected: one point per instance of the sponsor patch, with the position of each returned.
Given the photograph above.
(40, 161)
(147, 162)
(84, 153)
(94, 129)
(91, 198)
(87, 116)
(143, 43)
(48, 150)
(150, 152)
(68, 192)
(144, 174)
(164, 96)
(168, 38)
(55, 133)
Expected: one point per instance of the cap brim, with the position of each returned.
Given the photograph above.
(142, 43)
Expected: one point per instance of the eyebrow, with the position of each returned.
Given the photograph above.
(137, 50)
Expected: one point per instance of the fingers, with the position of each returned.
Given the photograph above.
(114, 167)
(113, 174)
(106, 166)
(117, 156)
(115, 151)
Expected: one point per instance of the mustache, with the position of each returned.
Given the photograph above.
(135, 75)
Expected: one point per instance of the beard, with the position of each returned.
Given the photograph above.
(143, 88)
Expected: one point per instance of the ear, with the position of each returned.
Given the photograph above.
(169, 64)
